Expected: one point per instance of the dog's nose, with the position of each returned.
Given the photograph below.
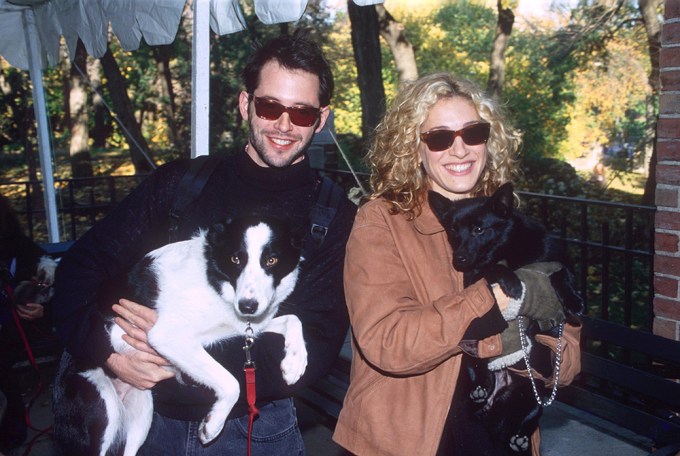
(247, 306)
(461, 260)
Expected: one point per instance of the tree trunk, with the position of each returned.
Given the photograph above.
(394, 34)
(79, 149)
(21, 105)
(366, 45)
(648, 9)
(102, 127)
(506, 18)
(65, 66)
(139, 150)
(166, 92)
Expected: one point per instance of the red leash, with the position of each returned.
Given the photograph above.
(250, 396)
(41, 384)
(249, 368)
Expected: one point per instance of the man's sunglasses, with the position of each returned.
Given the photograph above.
(271, 110)
(472, 135)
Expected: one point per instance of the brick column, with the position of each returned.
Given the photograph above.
(667, 239)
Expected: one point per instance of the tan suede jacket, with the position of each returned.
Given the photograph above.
(408, 312)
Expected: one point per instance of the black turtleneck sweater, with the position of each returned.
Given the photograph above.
(139, 224)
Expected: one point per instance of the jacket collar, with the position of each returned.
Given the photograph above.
(427, 223)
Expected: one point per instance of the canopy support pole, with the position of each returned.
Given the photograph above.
(200, 79)
(40, 109)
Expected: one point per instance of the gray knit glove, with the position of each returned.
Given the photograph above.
(541, 302)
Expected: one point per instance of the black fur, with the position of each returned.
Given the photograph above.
(490, 240)
(284, 245)
(142, 284)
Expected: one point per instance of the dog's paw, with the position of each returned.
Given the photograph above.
(294, 363)
(479, 394)
(209, 429)
(519, 443)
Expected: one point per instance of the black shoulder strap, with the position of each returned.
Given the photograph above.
(190, 186)
(323, 212)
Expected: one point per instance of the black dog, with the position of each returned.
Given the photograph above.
(490, 240)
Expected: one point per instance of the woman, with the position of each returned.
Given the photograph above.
(409, 311)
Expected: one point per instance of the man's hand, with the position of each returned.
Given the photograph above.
(30, 311)
(145, 367)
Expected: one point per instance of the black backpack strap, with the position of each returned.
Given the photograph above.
(190, 186)
(323, 212)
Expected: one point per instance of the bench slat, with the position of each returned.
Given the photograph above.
(645, 383)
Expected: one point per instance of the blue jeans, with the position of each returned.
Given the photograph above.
(275, 433)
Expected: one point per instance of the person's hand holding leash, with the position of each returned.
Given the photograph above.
(144, 367)
(30, 311)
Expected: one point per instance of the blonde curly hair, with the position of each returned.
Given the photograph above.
(393, 157)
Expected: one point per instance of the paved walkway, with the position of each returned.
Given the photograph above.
(565, 432)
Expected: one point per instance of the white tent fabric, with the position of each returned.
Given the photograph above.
(156, 21)
(31, 30)
(13, 40)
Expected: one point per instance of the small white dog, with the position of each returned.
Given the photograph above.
(205, 290)
(39, 290)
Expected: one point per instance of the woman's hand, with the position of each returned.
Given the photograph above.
(144, 367)
(30, 311)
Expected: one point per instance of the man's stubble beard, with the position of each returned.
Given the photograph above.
(258, 143)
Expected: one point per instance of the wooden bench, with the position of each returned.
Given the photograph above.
(629, 378)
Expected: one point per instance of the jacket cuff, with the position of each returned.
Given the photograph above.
(487, 325)
(508, 360)
(514, 305)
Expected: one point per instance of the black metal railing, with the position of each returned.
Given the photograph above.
(80, 203)
(611, 245)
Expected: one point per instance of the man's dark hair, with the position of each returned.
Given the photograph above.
(293, 52)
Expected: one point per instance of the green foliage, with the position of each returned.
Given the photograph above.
(557, 86)
(537, 93)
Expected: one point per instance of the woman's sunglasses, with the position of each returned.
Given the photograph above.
(271, 110)
(472, 135)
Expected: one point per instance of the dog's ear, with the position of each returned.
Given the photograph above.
(216, 232)
(440, 205)
(46, 269)
(297, 234)
(503, 200)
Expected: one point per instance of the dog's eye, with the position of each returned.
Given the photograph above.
(477, 230)
(235, 259)
(271, 261)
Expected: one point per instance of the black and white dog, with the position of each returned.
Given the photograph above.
(39, 289)
(205, 289)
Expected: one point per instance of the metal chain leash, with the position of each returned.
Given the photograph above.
(558, 362)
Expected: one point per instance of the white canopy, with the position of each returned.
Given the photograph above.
(30, 32)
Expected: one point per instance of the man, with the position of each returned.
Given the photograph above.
(288, 90)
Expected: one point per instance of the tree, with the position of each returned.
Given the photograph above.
(166, 93)
(394, 33)
(79, 150)
(366, 45)
(101, 125)
(19, 119)
(139, 150)
(500, 43)
(648, 10)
